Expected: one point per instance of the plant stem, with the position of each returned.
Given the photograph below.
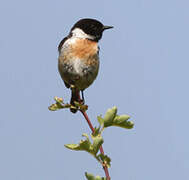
(92, 129)
(101, 148)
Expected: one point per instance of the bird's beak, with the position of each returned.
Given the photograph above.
(107, 27)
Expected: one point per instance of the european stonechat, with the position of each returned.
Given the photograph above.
(78, 61)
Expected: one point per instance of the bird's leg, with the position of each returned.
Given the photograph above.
(77, 95)
(74, 98)
(83, 99)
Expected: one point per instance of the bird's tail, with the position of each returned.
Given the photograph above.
(74, 98)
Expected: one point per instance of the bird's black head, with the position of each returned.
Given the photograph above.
(91, 27)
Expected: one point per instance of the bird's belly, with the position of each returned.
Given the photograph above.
(80, 73)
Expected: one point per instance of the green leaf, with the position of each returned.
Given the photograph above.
(92, 177)
(89, 176)
(99, 178)
(121, 118)
(55, 107)
(105, 159)
(58, 100)
(112, 119)
(122, 121)
(100, 120)
(97, 142)
(58, 105)
(73, 147)
(109, 116)
(86, 145)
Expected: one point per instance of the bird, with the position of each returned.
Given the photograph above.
(78, 61)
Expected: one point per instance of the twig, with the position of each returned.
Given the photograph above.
(92, 129)
(101, 148)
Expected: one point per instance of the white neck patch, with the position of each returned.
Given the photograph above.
(79, 33)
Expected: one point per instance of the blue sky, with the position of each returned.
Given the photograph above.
(143, 71)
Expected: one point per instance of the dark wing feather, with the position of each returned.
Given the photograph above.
(66, 84)
(59, 49)
(61, 44)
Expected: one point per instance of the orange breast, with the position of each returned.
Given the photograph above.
(84, 48)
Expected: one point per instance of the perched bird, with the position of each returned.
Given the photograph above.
(78, 61)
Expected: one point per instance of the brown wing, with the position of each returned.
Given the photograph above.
(59, 49)
(61, 44)
(66, 84)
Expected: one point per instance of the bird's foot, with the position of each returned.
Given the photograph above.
(80, 106)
